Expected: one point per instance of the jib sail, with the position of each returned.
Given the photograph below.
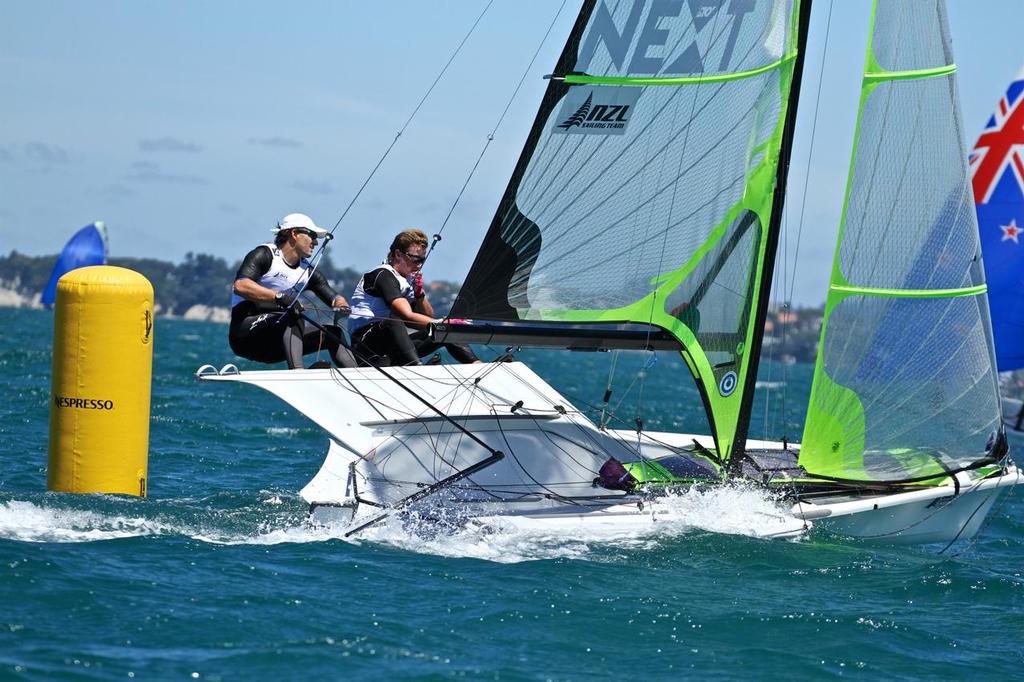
(905, 384)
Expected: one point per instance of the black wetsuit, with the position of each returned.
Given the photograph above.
(390, 338)
(264, 333)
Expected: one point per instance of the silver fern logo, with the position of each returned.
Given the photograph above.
(579, 117)
(596, 110)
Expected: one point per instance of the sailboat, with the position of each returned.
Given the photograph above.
(997, 174)
(88, 246)
(644, 214)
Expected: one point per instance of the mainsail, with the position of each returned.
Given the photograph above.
(88, 246)
(997, 172)
(905, 383)
(648, 191)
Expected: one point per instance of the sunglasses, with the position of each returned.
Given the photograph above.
(418, 260)
(308, 233)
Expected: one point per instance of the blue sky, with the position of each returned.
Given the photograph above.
(193, 126)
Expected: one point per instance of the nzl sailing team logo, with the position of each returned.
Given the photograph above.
(596, 110)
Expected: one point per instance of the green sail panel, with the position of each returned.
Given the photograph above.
(905, 384)
(646, 188)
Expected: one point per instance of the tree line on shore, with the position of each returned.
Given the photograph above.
(202, 279)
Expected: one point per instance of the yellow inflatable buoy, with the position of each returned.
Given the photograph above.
(100, 391)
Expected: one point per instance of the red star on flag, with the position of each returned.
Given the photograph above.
(1010, 231)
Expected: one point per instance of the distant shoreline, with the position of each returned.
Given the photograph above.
(9, 298)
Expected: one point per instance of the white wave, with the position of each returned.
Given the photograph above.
(299, 533)
(28, 522)
(728, 510)
(281, 431)
(732, 510)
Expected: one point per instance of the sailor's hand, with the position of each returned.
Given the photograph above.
(288, 299)
(417, 285)
(342, 311)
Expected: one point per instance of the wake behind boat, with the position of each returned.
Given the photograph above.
(644, 214)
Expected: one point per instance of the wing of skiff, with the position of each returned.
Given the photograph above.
(352, 404)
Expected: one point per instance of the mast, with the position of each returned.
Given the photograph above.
(772, 238)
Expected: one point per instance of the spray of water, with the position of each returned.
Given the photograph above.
(277, 518)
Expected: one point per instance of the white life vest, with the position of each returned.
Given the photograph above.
(366, 307)
(280, 276)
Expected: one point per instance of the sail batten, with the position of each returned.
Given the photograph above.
(910, 293)
(587, 79)
(882, 76)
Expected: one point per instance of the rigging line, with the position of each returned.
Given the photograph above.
(629, 389)
(646, 435)
(923, 343)
(987, 519)
(511, 451)
(969, 336)
(771, 360)
(490, 136)
(938, 509)
(427, 491)
(602, 424)
(790, 289)
(596, 447)
(585, 163)
(452, 395)
(967, 521)
(910, 396)
(411, 116)
(642, 133)
(664, 241)
(538, 394)
(411, 392)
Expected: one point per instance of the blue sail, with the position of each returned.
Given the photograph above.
(997, 175)
(88, 246)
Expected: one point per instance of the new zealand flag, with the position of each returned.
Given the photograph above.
(997, 175)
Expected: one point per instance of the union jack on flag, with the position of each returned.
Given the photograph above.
(997, 176)
(1000, 149)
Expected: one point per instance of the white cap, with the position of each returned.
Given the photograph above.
(293, 220)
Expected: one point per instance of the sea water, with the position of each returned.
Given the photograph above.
(217, 575)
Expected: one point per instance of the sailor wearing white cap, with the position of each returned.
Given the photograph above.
(265, 324)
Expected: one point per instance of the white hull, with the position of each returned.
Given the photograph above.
(918, 517)
(385, 445)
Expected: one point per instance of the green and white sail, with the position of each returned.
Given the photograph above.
(905, 383)
(648, 188)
